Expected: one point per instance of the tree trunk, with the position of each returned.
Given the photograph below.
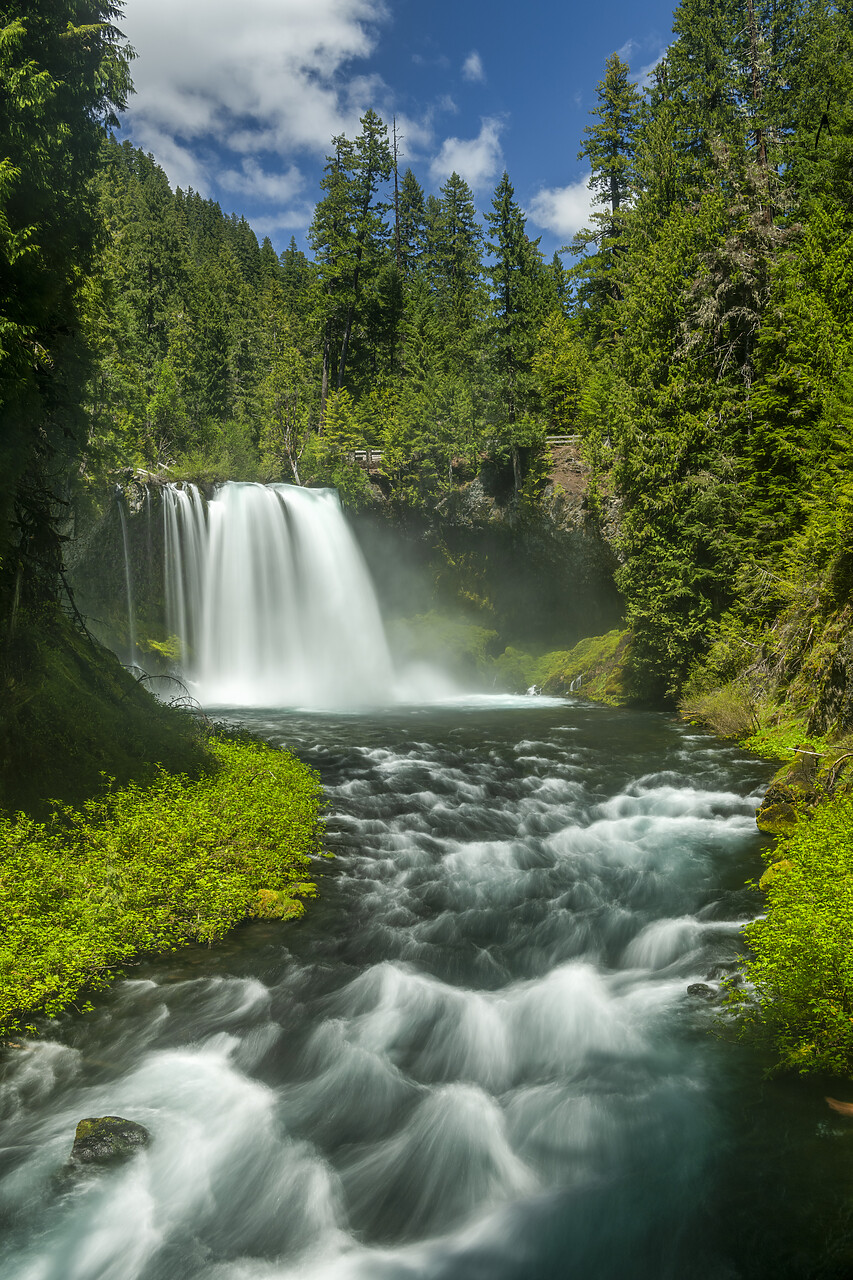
(324, 386)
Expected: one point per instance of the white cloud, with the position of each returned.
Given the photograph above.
(477, 160)
(251, 180)
(295, 219)
(183, 167)
(473, 69)
(644, 76)
(260, 75)
(563, 210)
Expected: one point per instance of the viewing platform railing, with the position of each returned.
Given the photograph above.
(372, 457)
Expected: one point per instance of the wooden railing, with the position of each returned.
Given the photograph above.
(366, 457)
(372, 457)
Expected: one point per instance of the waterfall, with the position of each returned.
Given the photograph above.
(270, 599)
(131, 612)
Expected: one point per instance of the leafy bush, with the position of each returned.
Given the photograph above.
(729, 711)
(150, 868)
(802, 949)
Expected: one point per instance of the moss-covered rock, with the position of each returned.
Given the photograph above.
(773, 871)
(776, 819)
(70, 714)
(594, 668)
(107, 1140)
(271, 904)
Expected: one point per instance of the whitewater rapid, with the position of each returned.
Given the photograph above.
(477, 1057)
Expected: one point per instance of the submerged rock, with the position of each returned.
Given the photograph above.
(106, 1140)
(701, 991)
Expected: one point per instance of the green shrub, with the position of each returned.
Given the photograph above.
(802, 949)
(729, 710)
(149, 868)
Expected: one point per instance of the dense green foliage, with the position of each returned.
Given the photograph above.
(63, 74)
(802, 961)
(150, 868)
(698, 345)
(413, 334)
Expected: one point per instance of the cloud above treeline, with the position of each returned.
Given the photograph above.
(477, 160)
(563, 210)
(260, 76)
(244, 100)
(473, 69)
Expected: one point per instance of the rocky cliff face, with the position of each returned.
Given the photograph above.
(539, 573)
(105, 560)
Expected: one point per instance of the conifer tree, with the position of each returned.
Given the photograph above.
(63, 75)
(411, 222)
(610, 147)
(348, 235)
(522, 294)
(699, 62)
(455, 254)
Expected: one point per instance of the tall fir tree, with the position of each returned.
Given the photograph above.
(348, 235)
(63, 75)
(610, 148)
(522, 295)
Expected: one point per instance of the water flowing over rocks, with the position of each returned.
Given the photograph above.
(545, 578)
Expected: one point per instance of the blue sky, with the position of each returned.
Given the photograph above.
(241, 100)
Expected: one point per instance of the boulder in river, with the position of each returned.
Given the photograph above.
(106, 1140)
(701, 991)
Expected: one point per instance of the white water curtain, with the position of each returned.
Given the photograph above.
(271, 599)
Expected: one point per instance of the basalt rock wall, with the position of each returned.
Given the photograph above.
(538, 573)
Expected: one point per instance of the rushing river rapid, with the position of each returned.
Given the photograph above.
(476, 1058)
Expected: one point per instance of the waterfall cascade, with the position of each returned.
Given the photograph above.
(271, 600)
(132, 652)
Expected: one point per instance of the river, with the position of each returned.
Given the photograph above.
(476, 1058)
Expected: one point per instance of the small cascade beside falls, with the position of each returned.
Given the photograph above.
(270, 599)
(132, 652)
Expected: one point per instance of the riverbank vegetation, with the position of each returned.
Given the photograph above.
(801, 949)
(70, 714)
(148, 868)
